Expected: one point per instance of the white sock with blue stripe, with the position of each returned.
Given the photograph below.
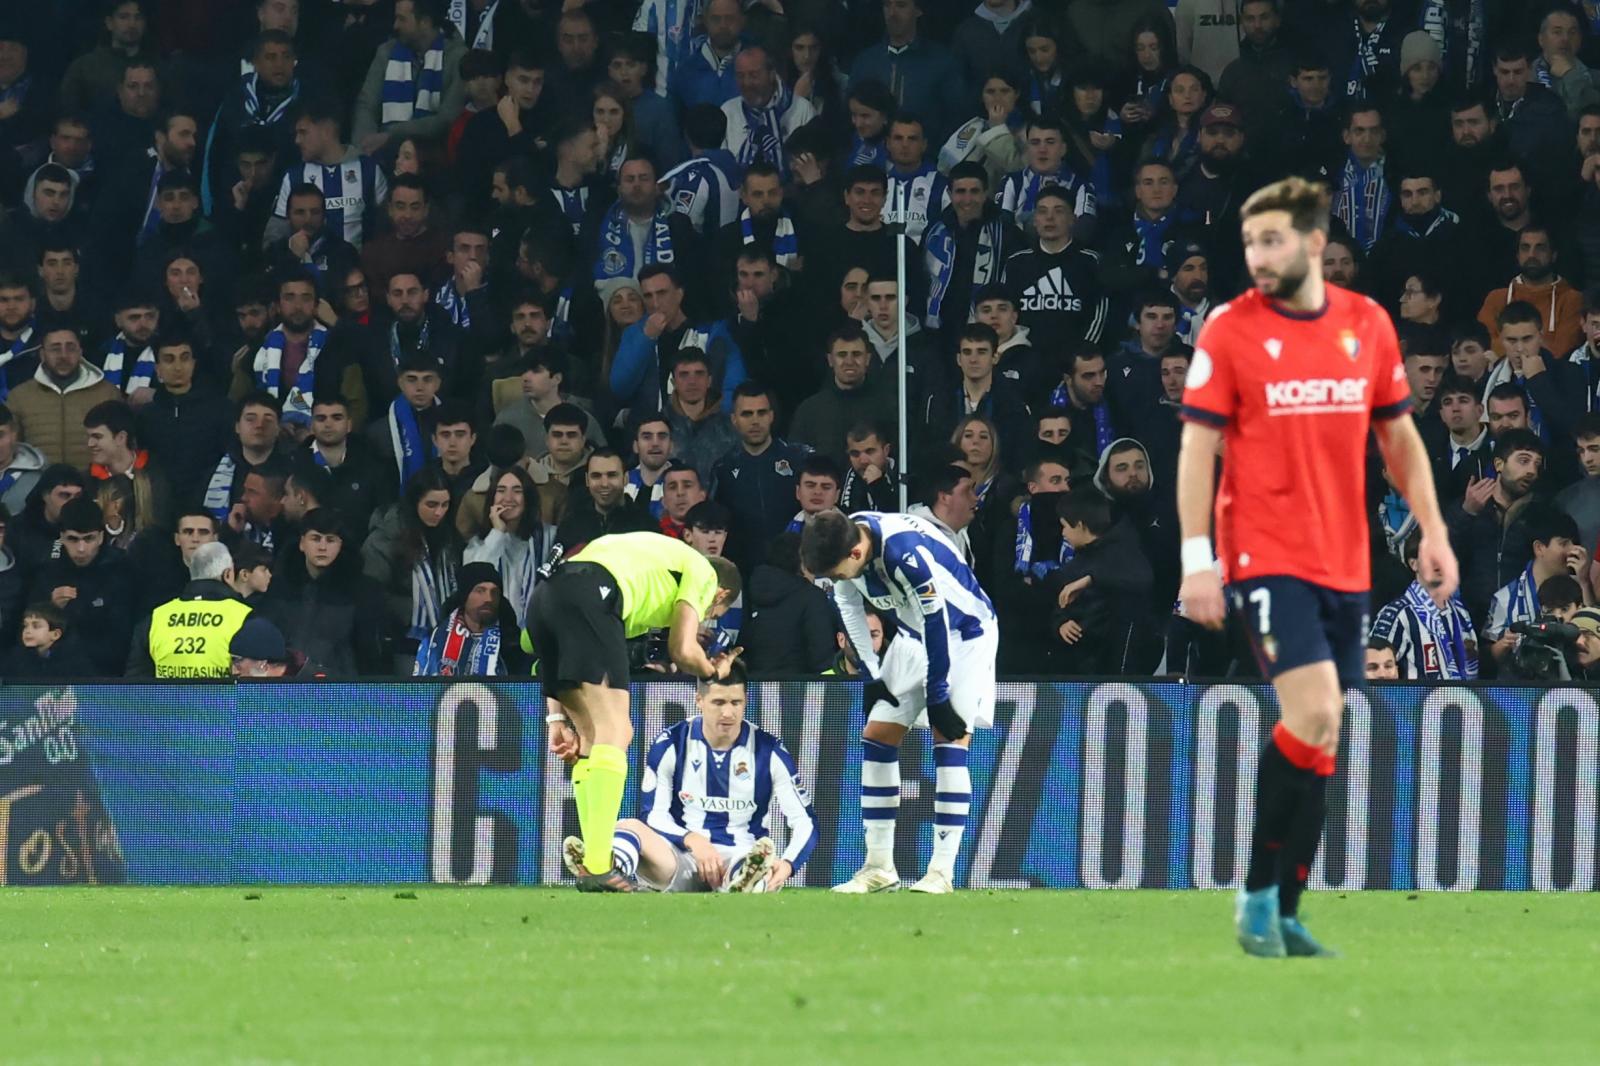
(880, 800)
(625, 852)
(952, 784)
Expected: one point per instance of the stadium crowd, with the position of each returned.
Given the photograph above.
(401, 302)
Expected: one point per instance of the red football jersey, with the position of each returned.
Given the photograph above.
(1295, 395)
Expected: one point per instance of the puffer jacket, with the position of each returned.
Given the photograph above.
(50, 416)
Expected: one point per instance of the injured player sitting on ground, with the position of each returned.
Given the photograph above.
(708, 786)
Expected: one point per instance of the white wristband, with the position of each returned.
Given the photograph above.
(1197, 556)
(552, 719)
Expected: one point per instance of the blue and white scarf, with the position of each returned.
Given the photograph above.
(1043, 92)
(637, 488)
(1363, 201)
(1521, 600)
(939, 254)
(867, 153)
(785, 243)
(269, 371)
(561, 321)
(484, 38)
(412, 449)
(252, 102)
(451, 650)
(396, 351)
(1460, 34)
(219, 490)
(1456, 663)
(407, 96)
(144, 366)
(1365, 62)
(17, 90)
(433, 581)
(18, 346)
(453, 304)
(1103, 433)
(616, 258)
(763, 130)
(1394, 513)
(1025, 564)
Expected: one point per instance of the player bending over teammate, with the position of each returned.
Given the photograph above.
(1290, 376)
(939, 670)
(580, 620)
(709, 783)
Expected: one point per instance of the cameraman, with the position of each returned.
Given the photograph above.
(1553, 535)
(1587, 622)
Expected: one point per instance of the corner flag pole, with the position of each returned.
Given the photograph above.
(901, 451)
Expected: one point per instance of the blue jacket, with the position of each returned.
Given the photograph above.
(759, 490)
(925, 78)
(697, 81)
(637, 373)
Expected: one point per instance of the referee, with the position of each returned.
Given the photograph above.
(580, 620)
(188, 636)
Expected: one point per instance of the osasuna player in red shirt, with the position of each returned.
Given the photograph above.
(1291, 376)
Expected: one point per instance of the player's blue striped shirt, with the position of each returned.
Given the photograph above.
(349, 190)
(725, 796)
(922, 577)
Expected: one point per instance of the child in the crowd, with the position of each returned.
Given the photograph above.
(45, 653)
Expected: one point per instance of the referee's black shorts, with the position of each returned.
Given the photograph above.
(575, 623)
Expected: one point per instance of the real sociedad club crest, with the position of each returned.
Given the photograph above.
(613, 263)
(1351, 344)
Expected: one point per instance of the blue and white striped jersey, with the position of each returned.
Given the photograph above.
(1020, 192)
(689, 787)
(1429, 644)
(705, 190)
(927, 194)
(671, 23)
(920, 575)
(350, 190)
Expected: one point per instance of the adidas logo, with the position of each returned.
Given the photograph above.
(605, 590)
(1050, 292)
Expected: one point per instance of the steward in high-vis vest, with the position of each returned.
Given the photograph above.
(189, 636)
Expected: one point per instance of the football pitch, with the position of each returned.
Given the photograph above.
(399, 975)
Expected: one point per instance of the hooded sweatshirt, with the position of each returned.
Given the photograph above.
(1208, 34)
(1560, 311)
(18, 477)
(1153, 517)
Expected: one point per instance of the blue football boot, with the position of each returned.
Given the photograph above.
(1255, 917)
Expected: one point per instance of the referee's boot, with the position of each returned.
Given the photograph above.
(1255, 918)
(610, 881)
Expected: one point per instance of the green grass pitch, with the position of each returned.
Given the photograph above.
(436, 975)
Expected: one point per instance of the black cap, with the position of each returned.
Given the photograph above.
(994, 291)
(82, 515)
(259, 639)
(474, 574)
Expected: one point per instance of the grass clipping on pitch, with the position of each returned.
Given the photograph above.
(400, 975)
